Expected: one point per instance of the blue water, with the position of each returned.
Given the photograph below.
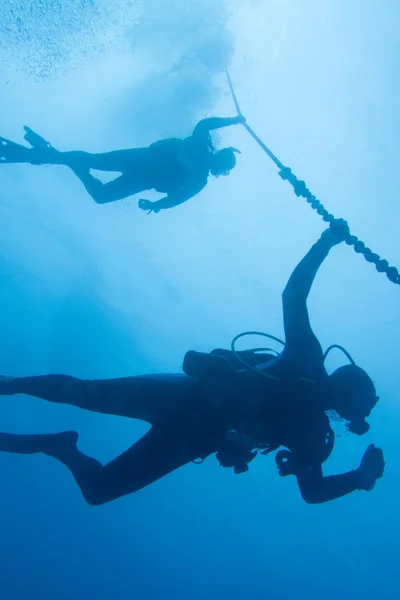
(107, 291)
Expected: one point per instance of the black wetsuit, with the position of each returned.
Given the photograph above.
(191, 415)
(177, 167)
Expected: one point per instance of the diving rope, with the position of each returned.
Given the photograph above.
(300, 189)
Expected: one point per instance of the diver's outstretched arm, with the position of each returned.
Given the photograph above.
(298, 332)
(173, 199)
(316, 489)
(166, 202)
(204, 126)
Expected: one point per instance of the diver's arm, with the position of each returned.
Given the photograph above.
(178, 197)
(298, 332)
(316, 489)
(173, 199)
(204, 126)
(170, 201)
(299, 285)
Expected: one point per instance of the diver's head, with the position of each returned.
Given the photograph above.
(223, 161)
(352, 396)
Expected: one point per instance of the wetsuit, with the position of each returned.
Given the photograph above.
(177, 167)
(191, 415)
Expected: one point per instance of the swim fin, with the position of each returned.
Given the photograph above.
(34, 139)
(10, 152)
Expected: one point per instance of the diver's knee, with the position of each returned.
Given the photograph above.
(100, 193)
(100, 491)
(101, 199)
(95, 496)
(94, 500)
(97, 198)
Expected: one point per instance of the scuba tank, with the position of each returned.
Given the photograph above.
(224, 362)
(237, 449)
(220, 362)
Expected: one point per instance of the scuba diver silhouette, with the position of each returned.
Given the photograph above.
(177, 167)
(219, 407)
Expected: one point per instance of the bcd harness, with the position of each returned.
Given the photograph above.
(238, 450)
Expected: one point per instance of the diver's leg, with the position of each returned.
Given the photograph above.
(117, 160)
(155, 455)
(59, 445)
(10, 152)
(130, 162)
(32, 444)
(151, 398)
(102, 193)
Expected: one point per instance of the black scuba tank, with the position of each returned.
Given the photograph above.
(220, 362)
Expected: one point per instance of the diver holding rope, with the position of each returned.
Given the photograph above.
(219, 407)
(178, 167)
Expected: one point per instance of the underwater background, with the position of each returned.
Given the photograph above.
(108, 291)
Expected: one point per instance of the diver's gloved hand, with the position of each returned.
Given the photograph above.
(148, 205)
(371, 468)
(337, 232)
(239, 120)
